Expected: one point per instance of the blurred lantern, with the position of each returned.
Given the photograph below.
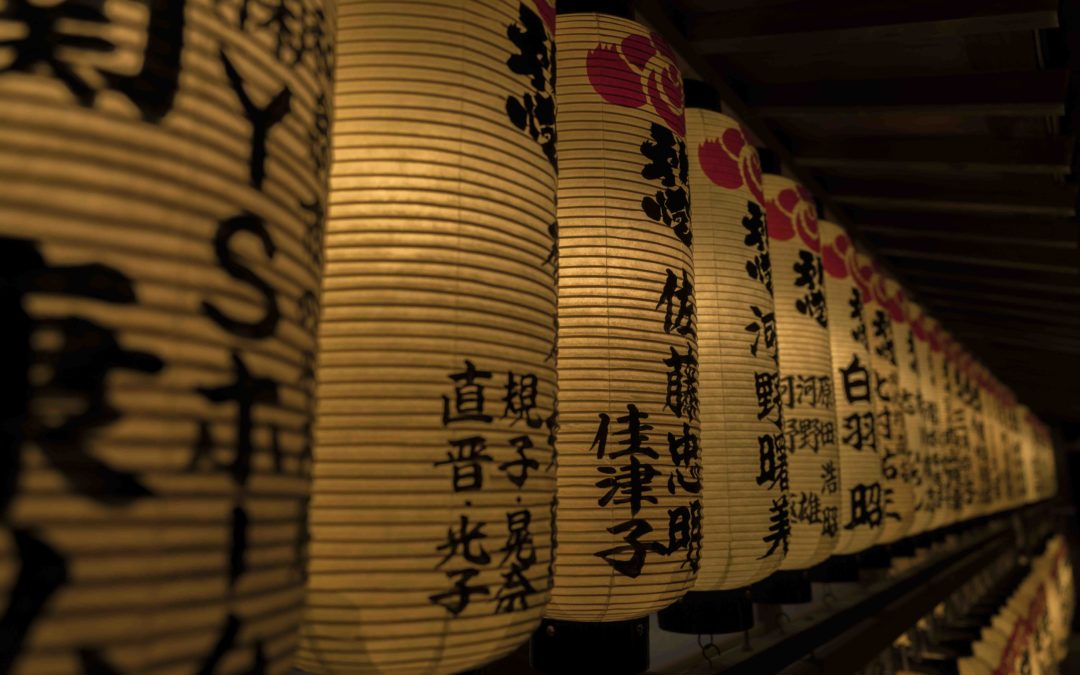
(911, 345)
(806, 385)
(934, 461)
(629, 474)
(863, 502)
(982, 466)
(891, 352)
(161, 246)
(431, 536)
(744, 470)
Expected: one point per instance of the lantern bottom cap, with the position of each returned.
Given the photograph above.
(875, 558)
(710, 613)
(585, 648)
(786, 587)
(905, 548)
(837, 569)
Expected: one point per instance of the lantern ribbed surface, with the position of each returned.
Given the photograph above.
(629, 474)
(910, 485)
(744, 468)
(958, 491)
(917, 397)
(928, 465)
(806, 383)
(885, 317)
(865, 499)
(431, 537)
(160, 236)
(981, 497)
(944, 459)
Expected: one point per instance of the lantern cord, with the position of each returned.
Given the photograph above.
(829, 595)
(708, 647)
(782, 619)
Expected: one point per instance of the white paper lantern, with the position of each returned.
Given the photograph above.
(910, 345)
(806, 383)
(434, 470)
(629, 481)
(932, 466)
(160, 230)
(744, 469)
(865, 506)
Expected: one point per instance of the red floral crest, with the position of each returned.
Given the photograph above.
(792, 212)
(731, 162)
(546, 10)
(637, 71)
(917, 326)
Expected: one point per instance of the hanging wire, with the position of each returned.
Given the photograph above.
(708, 649)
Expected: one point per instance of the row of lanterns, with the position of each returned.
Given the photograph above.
(509, 340)
(1029, 633)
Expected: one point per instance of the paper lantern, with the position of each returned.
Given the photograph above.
(865, 513)
(910, 345)
(431, 536)
(932, 466)
(744, 469)
(806, 384)
(981, 478)
(629, 475)
(891, 354)
(161, 248)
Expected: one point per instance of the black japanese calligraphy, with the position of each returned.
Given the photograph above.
(678, 303)
(668, 165)
(810, 276)
(534, 111)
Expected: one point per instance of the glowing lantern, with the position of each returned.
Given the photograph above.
(743, 458)
(431, 537)
(806, 384)
(863, 504)
(161, 245)
(629, 478)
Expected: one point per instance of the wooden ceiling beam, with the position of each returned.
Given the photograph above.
(998, 256)
(1029, 230)
(809, 23)
(1036, 93)
(1049, 156)
(1006, 315)
(1019, 300)
(963, 275)
(1013, 196)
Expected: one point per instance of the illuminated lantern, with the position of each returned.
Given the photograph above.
(742, 440)
(863, 505)
(806, 384)
(931, 511)
(982, 466)
(161, 246)
(910, 347)
(629, 473)
(890, 353)
(431, 537)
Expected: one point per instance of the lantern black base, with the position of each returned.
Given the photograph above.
(579, 648)
(620, 8)
(875, 558)
(783, 588)
(837, 569)
(905, 548)
(710, 613)
(923, 540)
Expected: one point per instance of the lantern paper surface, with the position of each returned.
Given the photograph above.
(744, 469)
(928, 465)
(945, 460)
(958, 432)
(629, 475)
(806, 383)
(885, 313)
(160, 230)
(431, 536)
(982, 478)
(911, 345)
(863, 498)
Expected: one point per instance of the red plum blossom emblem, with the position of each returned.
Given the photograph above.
(638, 71)
(793, 212)
(731, 162)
